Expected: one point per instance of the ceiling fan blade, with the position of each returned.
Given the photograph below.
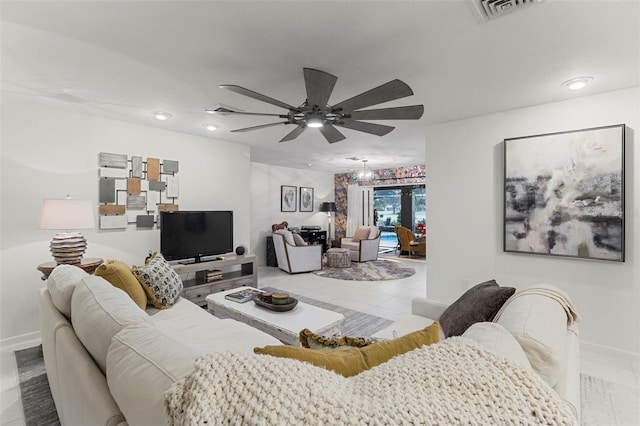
(412, 112)
(395, 89)
(361, 126)
(319, 86)
(262, 126)
(263, 114)
(294, 133)
(257, 96)
(331, 134)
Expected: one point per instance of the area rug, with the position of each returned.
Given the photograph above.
(37, 402)
(375, 270)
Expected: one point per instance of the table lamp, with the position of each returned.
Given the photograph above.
(328, 206)
(67, 247)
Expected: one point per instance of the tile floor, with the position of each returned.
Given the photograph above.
(388, 299)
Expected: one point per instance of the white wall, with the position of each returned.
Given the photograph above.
(265, 201)
(464, 208)
(49, 151)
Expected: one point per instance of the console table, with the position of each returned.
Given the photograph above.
(231, 272)
(315, 237)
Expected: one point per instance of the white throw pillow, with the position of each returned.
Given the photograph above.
(299, 240)
(497, 339)
(61, 283)
(99, 311)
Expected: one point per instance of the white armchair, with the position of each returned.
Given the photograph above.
(293, 258)
(363, 249)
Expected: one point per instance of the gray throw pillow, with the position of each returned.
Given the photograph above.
(480, 303)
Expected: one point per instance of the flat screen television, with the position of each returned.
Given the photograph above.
(194, 235)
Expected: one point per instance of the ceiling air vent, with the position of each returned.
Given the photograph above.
(491, 9)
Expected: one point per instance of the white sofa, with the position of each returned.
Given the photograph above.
(365, 249)
(109, 362)
(537, 318)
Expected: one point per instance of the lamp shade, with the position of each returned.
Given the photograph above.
(66, 214)
(328, 207)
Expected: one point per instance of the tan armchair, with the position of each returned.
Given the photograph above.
(410, 244)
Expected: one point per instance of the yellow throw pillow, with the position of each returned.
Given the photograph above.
(353, 361)
(347, 363)
(383, 351)
(119, 275)
(311, 340)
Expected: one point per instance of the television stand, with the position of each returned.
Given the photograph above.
(213, 276)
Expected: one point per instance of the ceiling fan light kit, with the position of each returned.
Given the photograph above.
(315, 112)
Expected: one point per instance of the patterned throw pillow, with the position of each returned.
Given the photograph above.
(162, 284)
(311, 340)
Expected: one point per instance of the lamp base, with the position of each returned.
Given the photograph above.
(68, 247)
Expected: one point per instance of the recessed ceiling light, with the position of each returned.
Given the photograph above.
(210, 127)
(160, 115)
(577, 83)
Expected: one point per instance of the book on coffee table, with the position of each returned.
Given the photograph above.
(243, 296)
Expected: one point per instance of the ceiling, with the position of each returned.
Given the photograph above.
(124, 60)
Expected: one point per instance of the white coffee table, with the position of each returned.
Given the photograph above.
(284, 326)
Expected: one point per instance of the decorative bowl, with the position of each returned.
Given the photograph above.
(277, 308)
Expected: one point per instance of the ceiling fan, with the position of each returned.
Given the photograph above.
(316, 113)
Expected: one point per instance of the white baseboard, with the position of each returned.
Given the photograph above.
(611, 352)
(23, 341)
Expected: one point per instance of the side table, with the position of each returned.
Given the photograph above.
(89, 265)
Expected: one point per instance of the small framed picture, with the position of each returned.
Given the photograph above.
(288, 199)
(306, 199)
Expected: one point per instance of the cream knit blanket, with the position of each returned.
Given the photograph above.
(449, 383)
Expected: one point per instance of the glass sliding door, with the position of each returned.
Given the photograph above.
(387, 204)
(399, 206)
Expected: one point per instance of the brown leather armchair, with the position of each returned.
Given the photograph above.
(409, 243)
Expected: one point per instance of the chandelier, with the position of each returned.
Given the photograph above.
(366, 174)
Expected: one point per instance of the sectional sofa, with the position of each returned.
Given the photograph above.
(110, 363)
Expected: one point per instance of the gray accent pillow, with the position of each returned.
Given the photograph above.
(480, 303)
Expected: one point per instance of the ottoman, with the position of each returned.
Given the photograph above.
(338, 258)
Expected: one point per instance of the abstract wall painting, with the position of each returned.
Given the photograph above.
(564, 194)
(134, 191)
